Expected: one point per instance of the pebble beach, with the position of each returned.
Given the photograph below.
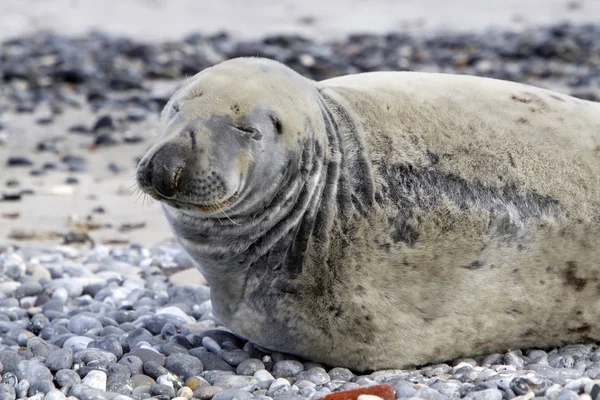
(98, 302)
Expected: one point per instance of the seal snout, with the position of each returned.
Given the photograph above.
(163, 172)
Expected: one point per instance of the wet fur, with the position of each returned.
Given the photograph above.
(436, 216)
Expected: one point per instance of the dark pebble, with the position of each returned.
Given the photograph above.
(211, 361)
(18, 161)
(11, 196)
(157, 389)
(110, 344)
(184, 365)
(133, 363)
(154, 370)
(60, 359)
(105, 122)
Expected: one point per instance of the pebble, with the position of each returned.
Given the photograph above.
(184, 365)
(249, 366)
(66, 378)
(95, 380)
(60, 359)
(211, 361)
(287, 368)
(235, 381)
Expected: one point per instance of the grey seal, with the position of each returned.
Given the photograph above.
(384, 219)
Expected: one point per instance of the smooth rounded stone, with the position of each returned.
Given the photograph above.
(84, 392)
(234, 357)
(578, 385)
(7, 392)
(556, 375)
(22, 388)
(207, 392)
(55, 395)
(511, 358)
(122, 397)
(23, 337)
(211, 361)
(88, 355)
(446, 387)
(568, 395)
(173, 348)
(40, 386)
(141, 392)
(466, 374)
(429, 394)
(66, 378)
(233, 394)
(27, 289)
(524, 384)
(222, 337)
(142, 380)
(184, 365)
(196, 382)
(235, 381)
(147, 355)
(33, 371)
(287, 368)
(492, 359)
(592, 388)
(249, 366)
(211, 344)
(109, 344)
(154, 370)
(317, 375)
(157, 389)
(155, 323)
(60, 359)
(488, 394)
(177, 312)
(278, 386)
(133, 363)
(10, 360)
(76, 343)
(185, 392)
(404, 391)
(82, 323)
(136, 336)
(96, 380)
(264, 376)
(340, 374)
(12, 266)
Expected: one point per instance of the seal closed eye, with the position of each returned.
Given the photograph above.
(387, 219)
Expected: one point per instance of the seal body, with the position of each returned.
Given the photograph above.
(384, 220)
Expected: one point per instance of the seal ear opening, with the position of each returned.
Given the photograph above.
(277, 124)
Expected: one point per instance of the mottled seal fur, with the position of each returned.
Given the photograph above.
(384, 219)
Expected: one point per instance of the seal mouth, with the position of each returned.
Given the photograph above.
(205, 208)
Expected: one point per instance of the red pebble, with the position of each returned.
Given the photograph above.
(386, 392)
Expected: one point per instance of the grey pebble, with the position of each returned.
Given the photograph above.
(110, 344)
(211, 344)
(211, 361)
(10, 360)
(184, 365)
(60, 359)
(556, 375)
(82, 323)
(249, 367)
(567, 395)
(133, 363)
(488, 394)
(147, 355)
(55, 395)
(316, 375)
(287, 368)
(66, 378)
(157, 389)
(233, 394)
(40, 386)
(86, 356)
(340, 374)
(142, 380)
(207, 392)
(429, 394)
(235, 381)
(77, 343)
(234, 357)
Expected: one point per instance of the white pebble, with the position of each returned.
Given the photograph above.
(264, 375)
(368, 397)
(96, 380)
(176, 311)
